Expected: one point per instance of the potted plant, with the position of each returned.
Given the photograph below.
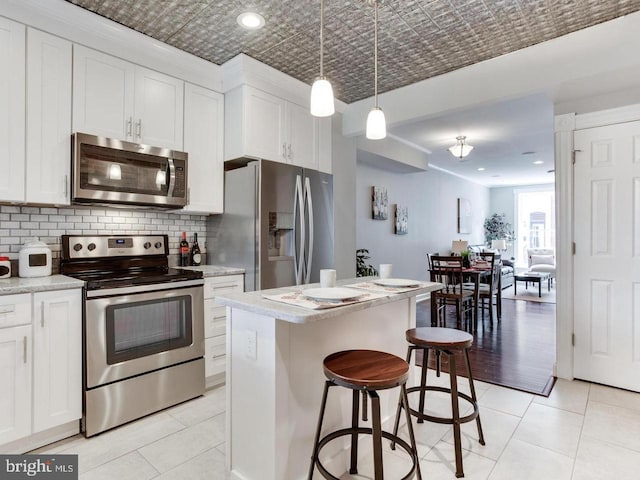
(362, 269)
(497, 228)
(466, 261)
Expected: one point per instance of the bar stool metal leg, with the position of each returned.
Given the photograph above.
(353, 468)
(377, 435)
(396, 426)
(412, 438)
(455, 407)
(323, 404)
(473, 394)
(423, 381)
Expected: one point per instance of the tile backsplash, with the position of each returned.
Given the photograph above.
(19, 224)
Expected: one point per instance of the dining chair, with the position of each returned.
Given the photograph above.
(490, 287)
(449, 272)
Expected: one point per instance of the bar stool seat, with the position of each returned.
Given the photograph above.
(445, 341)
(365, 371)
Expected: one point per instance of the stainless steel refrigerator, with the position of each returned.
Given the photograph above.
(277, 223)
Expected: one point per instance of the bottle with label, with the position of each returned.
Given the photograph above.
(196, 256)
(184, 251)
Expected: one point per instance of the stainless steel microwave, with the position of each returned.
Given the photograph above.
(110, 171)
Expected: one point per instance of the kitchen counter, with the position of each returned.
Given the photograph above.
(275, 377)
(215, 270)
(9, 286)
(254, 302)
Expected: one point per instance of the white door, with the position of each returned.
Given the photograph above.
(15, 378)
(203, 141)
(607, 259)
(159, 103)
(103, 89)
(12, 110)
(48, 118)
(303, 137)
(57, 357)
(264, 121)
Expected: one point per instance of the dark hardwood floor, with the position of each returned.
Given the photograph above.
(517, 352)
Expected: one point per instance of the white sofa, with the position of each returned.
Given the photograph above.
(542, 260)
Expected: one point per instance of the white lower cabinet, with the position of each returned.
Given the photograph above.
(57, 358)
(40, 364)
(215, 325)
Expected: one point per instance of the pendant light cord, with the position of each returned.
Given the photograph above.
(375, 50)
(321, 38)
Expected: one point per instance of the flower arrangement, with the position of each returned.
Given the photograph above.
(496, 228)
(362, 268)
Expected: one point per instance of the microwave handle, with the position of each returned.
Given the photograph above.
(172, 177)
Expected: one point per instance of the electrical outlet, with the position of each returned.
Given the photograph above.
(251, 351)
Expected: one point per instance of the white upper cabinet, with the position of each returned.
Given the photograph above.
(261, 125)
(117, 99)
(158, 112)
(48, 118)
(102, 94)
(57, 354)
(12, 110)
(203, 141)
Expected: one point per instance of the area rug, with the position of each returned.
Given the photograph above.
(530, 294)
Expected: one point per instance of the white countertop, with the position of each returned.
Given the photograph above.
(14, 285)
(255, 303)
(215, 270)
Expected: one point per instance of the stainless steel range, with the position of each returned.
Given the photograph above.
(143, 327)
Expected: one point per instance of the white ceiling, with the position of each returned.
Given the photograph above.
(500, 133)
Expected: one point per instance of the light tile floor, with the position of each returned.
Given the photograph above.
(581, 432)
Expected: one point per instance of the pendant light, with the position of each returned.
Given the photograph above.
(322, 104)
(460, 149)
(376, 123)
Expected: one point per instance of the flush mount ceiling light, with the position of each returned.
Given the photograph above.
(460, 149)
(250, 20)
(376, 123)
(538, 162)
(322, 104)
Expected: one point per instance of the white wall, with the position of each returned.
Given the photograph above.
(432, 201)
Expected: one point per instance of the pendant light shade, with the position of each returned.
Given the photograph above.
(376, 123)
(460, 149)
(322, 104)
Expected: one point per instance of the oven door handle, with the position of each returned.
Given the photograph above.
(107, 292)
(172, 177)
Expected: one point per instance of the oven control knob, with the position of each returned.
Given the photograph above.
(158, 245)
(77, 247)
(91, 247)
(147, 245)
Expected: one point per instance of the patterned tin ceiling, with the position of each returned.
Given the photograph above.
(418, 38)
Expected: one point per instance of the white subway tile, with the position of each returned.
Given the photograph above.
(89, 218)
(98, 213)
(29, 225)
(19, 217)
(48, 225)
(74, 218)
(112, 213)
(39, 218)
(66, 211)
(4, 225)
(9, 209)
(49, 211)
(132, 220)
(57, 218)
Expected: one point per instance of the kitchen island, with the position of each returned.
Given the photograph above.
(275, 376)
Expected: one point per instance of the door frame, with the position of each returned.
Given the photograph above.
(564, 128)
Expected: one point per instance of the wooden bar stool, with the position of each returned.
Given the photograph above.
(443, 341)
(365, 371)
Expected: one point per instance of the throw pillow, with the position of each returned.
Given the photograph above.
(542, 260)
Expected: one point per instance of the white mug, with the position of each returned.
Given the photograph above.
(327, 278)
(385, 270)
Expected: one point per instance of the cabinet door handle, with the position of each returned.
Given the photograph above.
(139, 128)
(42, 314)
(24, 349)
(129, 122)
(7, 308)
(65, 186)
(284, 150)
(289, 151)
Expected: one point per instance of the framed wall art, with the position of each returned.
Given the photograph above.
(402, 220)
(379, 203)
(465, 215)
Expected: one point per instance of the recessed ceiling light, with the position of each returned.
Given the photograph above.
(250, 20)
(538, 162)
(481, 169)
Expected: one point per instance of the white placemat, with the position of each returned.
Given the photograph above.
(372, 287)
(298, 299)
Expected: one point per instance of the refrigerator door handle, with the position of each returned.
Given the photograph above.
(298, 202)
(307, 194)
